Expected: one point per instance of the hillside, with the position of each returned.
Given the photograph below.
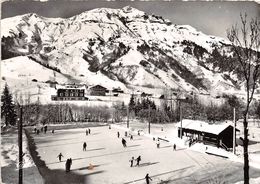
(115, 48)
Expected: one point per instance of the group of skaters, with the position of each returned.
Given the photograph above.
(88, 131)
(43, 129)
(67, 164)
(69, 160)
(158, 144)
(138, 159)
(123, 140)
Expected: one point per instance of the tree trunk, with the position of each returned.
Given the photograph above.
(245, 145)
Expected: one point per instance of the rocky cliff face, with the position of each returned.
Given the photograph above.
(117, 48)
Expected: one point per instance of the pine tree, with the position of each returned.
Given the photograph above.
(8, 107)
(131, 103)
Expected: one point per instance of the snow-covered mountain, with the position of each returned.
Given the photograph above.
(114, 48)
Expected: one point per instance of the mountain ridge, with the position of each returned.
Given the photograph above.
(123, 46)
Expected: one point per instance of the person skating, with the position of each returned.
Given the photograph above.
(132, 161)
(138, 159)
(148, 178)
(86, 131)
(52, 131)
(158, 143)
(70, 163)
(124, 142)
(174, 147)
(45, 129)
(84, 146)
(59, 156)
(89, 131)
(131, 137)
(67, 165)
(118, 134)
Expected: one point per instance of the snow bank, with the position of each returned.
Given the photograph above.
(252, 181)
(11, 154)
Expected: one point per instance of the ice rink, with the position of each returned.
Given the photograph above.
(110, 160)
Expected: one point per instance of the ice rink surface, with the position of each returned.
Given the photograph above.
(106, 161)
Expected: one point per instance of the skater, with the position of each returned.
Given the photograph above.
(118, 134)
(158, 143)
(125, 133)
(37, 132)
(70, 163)
(86, 131)
(84, 146)
(138, 132)
(132, 161)
(67, 167)
(89, 131)
(124, 142)
(52, 131)
(59, 156)
(138, 159)
(174, 147)
(148, 178)
(45, 129)
(131, 137)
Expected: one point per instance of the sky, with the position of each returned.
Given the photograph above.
(212, 18)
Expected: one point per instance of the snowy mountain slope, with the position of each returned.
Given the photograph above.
(115, 48)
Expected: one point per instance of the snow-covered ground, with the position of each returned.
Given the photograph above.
(9, 161)
(169, 132)
(111, 160)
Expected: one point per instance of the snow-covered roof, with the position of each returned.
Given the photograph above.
(71, 87)
(204, 126)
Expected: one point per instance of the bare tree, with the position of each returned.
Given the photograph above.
(245, 43)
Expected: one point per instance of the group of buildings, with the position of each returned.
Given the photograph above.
(80, 92)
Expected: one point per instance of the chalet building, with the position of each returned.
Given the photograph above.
(70, 93)
(98, 90)
(117, 90)
(220, 135)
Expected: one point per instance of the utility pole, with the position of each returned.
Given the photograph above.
(127, 121)
(149, 120)
(180, 118)
(20, 144)
(234, 131)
